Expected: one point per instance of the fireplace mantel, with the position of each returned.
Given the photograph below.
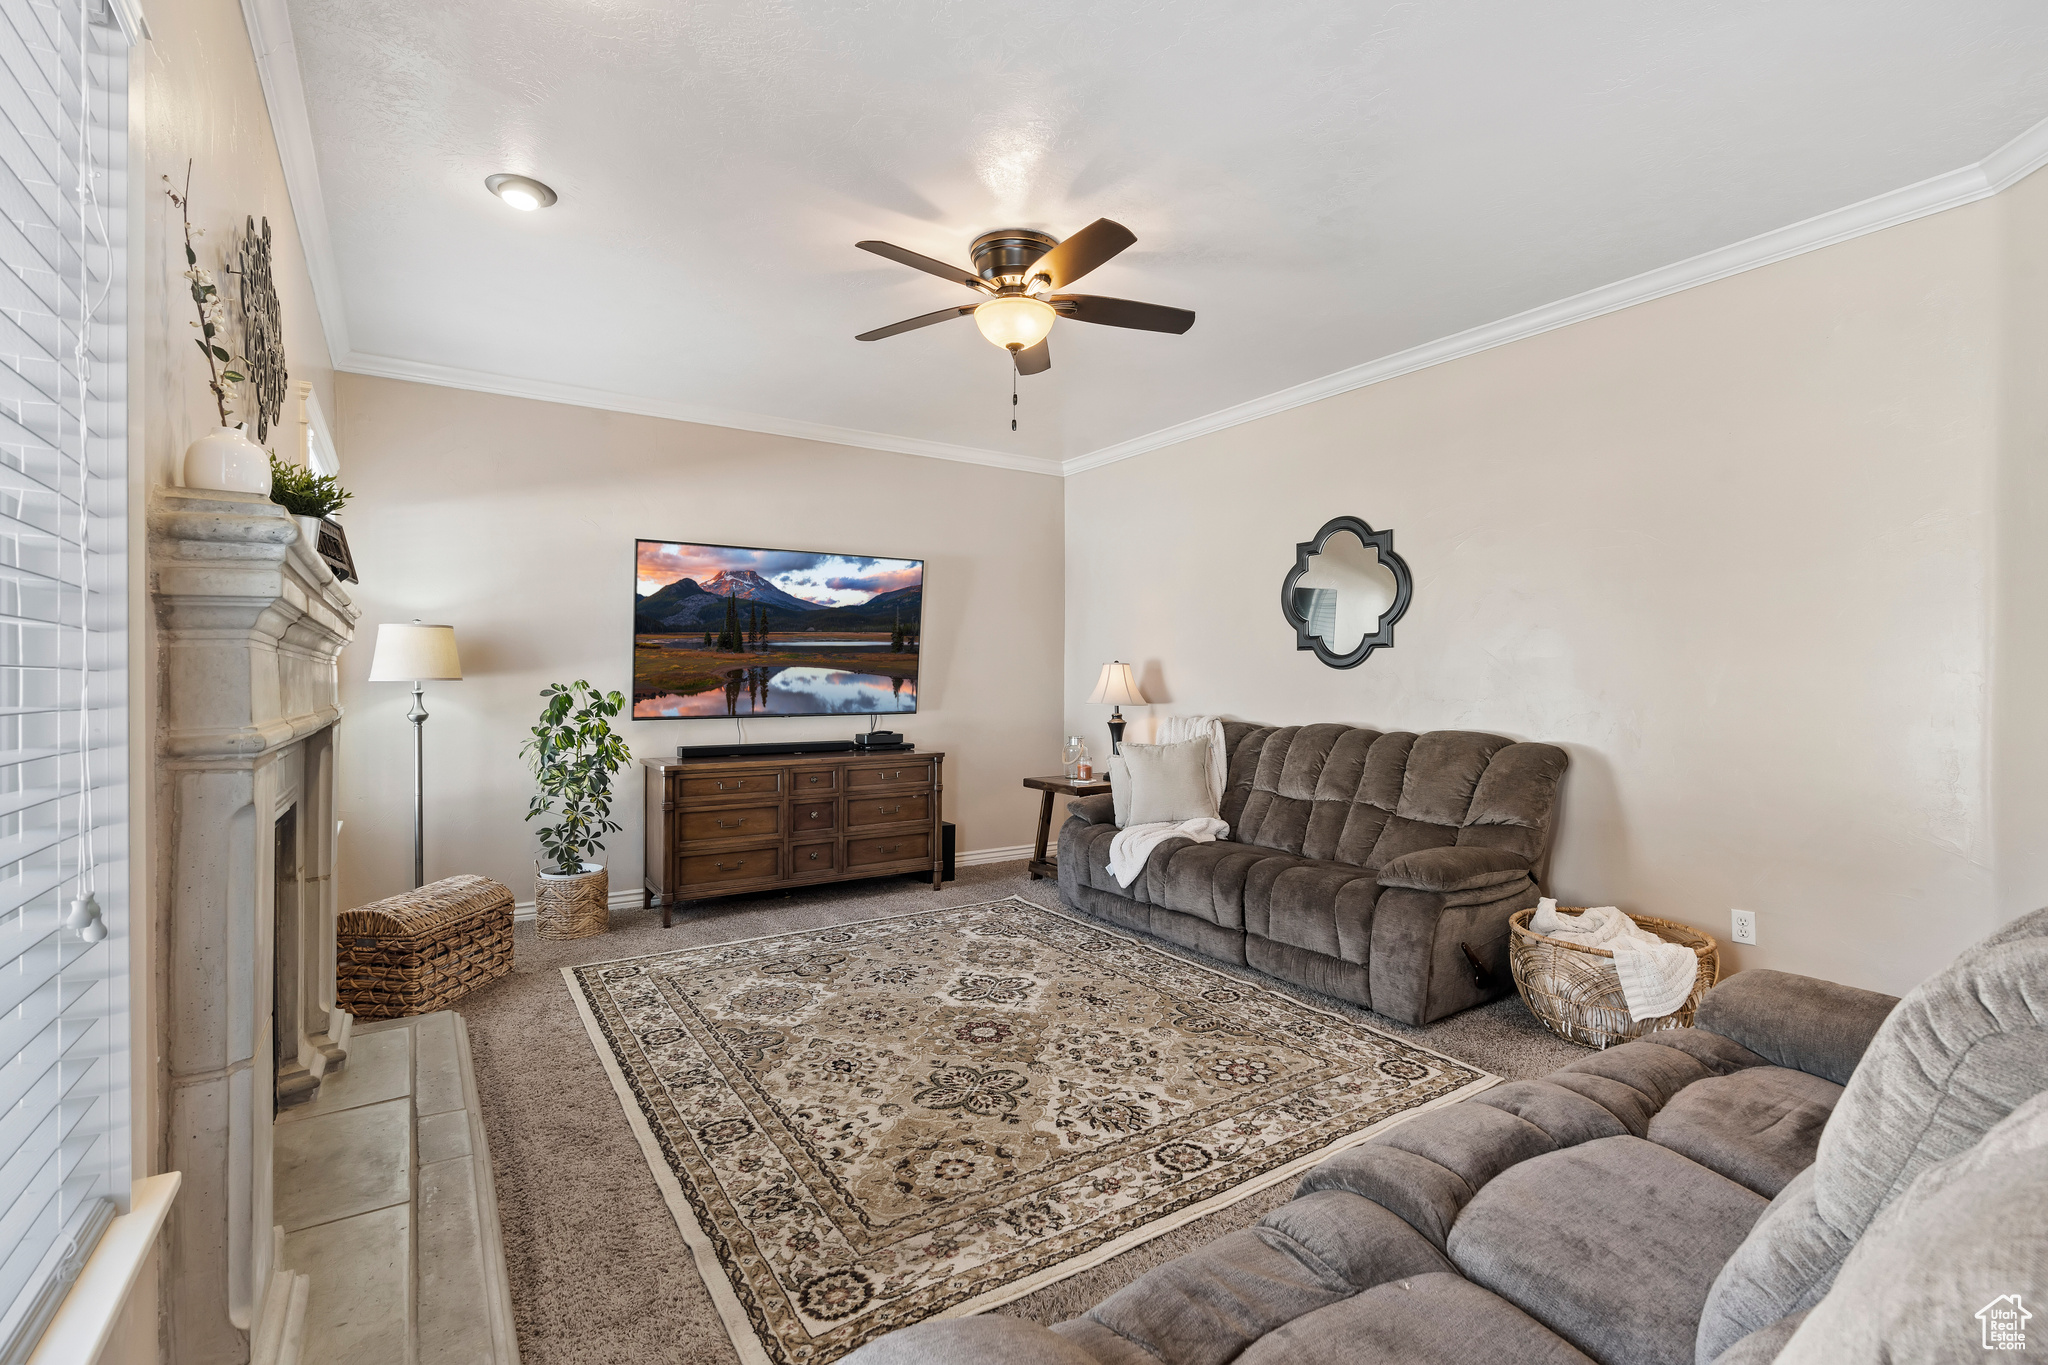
(250, 623)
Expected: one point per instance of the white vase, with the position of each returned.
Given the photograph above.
(309, 531)
(227, 461)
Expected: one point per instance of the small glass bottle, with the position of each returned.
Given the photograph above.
(1074, 755)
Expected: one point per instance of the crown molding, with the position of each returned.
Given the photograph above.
(284, 94)
(2005, 167)
(480, 381)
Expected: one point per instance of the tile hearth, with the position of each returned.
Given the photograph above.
(384, 1192)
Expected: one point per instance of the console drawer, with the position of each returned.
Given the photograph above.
(765, 783)
(876, 849)
(813, 781)
(729, 822)
(717, 869)
(814, 860)
(812, 817)
(874, 776)
(888, 808)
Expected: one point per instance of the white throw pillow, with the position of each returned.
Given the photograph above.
(1162, 783)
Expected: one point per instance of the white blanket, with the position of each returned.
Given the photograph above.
(1656, 976)
(1133, 844)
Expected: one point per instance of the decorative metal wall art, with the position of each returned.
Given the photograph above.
(262, 329)
(1324, 619)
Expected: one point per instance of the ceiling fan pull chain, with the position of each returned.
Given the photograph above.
(1013, 393)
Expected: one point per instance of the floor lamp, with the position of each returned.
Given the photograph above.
(414, 654)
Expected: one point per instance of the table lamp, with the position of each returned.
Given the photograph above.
(1116, 688)
(412, 654)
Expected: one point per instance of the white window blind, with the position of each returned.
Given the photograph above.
(64, 1164)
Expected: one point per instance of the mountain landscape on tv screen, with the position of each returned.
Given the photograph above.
(727, 631)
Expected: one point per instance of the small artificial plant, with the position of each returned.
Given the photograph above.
(574, 752)
(213, 313)
(302, 492)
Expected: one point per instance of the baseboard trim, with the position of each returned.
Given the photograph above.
(522, 911)
(982, 856)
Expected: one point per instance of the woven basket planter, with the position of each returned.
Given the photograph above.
(423, 950)
(1575, 992)
(572, 907)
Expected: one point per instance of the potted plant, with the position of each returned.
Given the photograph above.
(313, 499)
(574, 752)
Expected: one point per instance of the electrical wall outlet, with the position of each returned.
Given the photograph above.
(1744, 925)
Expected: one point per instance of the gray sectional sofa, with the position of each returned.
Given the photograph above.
(1809, 1174)
(1380, 868)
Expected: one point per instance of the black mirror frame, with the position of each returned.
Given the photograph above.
(1382, 543)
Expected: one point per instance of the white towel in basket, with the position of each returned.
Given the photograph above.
(1657, 976)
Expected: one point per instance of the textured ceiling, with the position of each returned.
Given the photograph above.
(1325, 184)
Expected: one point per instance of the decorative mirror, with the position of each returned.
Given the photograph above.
(1345, 591)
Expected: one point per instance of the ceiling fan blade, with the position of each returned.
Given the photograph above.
(1035, 359)
(1082, 252)
(927, 265)
(1146, 317)
(912, 324)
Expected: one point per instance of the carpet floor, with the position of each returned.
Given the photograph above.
(599, 1272)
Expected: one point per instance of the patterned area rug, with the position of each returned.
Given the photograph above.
(861, 1127)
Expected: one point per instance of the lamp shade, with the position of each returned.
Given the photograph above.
(415, 653)
(1116, 687)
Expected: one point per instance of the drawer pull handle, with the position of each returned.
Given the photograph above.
(814, 815)
(814, 780)
(814, 857)
(735, 867)
(734, 825)
(738, 786)
(888, 810)
(890, 849)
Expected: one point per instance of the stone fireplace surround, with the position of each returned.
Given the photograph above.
(250, 623)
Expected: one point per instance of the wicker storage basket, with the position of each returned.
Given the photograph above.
(571, 907)
(1574, 991)
(421, 951)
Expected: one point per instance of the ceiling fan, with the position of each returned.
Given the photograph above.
(1019, 270)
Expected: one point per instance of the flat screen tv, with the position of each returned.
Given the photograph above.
(728, 630)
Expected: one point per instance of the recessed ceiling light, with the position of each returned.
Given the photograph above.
(520, 191)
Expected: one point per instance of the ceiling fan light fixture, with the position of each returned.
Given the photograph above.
(521, 192)
(1015, 322)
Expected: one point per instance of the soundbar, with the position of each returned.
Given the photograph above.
(785, 748)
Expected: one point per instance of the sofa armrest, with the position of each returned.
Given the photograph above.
(1800, 1022)
(1099, 809)
(1454, 869)
(988, 1339)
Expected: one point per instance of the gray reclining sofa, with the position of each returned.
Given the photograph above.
(1378, 868)
(1808, 1175)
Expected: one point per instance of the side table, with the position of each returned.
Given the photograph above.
(1040, 865)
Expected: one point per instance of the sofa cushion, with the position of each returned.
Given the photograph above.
(1206, 1307)
(1364, 798)
(1438, 1319)
(1969, 1235)
(1783, 1267)
(1325, 907)
(1168, 782)
(1819, 1027)
(1758, 1127)
(1612, 1244)
(1454, 869)
(1203, 880)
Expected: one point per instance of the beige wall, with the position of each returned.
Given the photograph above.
(514, 522)
(1731, 549)
(2019, 763)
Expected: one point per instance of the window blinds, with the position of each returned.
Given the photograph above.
(63, 655)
